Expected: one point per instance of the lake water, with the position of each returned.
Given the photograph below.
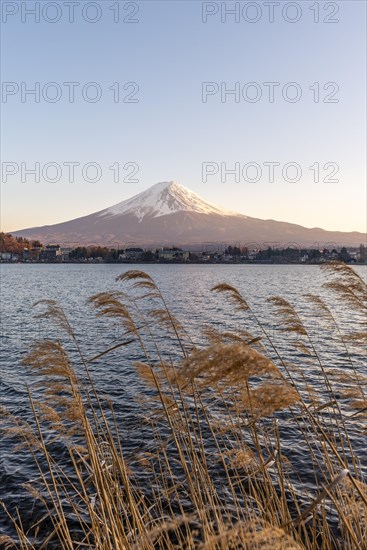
(187, 291)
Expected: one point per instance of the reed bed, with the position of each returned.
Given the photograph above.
(216, 471)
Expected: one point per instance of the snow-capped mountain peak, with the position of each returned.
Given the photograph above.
(168, 214)
(162, 199)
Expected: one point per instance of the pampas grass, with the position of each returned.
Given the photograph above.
(217, 473)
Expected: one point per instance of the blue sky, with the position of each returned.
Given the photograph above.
(170, 132)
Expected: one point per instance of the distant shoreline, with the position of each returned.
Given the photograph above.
(316, 263)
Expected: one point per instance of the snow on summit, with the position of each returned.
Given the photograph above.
(162, 199)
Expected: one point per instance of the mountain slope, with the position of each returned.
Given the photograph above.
(169, 214)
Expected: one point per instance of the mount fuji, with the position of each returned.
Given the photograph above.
(169, 214)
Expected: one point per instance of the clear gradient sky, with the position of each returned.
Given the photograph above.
(170, 131)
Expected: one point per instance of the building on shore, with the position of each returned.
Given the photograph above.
(51, 253)
(172, 254)
(132, 254)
